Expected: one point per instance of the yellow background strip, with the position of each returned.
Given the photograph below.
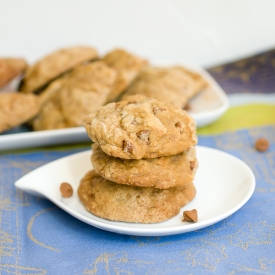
(241, 117)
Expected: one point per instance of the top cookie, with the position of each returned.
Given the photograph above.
(54, 65)
(175, 85)
(16, 108)
(127, 66)
(140, 127)
(10, 68)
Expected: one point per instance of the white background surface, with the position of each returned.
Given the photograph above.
(206, 32)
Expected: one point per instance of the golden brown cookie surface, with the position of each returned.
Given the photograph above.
(127, 66)
(16, 108)
(53, 65)
(10, 68)
(119, 202)
(139, 127)
(175, 85)
(67, 100)
(163, 172)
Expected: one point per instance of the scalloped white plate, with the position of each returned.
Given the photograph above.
(223, 182)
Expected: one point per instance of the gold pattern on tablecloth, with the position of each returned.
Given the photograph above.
(29, 229)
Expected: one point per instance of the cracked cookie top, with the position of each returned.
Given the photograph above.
(140, 127)
(55, 64)
(175, 85)
(127, 66)
(67, 100)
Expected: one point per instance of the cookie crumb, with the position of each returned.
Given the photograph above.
(261, 144)
(66, 190)
(190, 216)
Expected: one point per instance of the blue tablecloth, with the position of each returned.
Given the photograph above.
(36, 237)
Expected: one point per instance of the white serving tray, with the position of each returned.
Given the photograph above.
(205, 108)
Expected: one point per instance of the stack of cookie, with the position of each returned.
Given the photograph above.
(144, 160)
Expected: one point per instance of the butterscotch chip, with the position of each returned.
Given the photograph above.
(162, 172)
(190, 216)
(53, 65)
(10, 68)
(175, 85)
(262, 144)
(187, 107)
(66, 190)
(127, 66)
(140, 127)
(67, 100)
(16, 108)
(119, 202)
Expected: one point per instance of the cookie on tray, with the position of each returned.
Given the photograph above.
(140, 127)
(162, 172)
(10, 68)
(16, 108)
(127, 66)
(67, 100)
(119, 202)
(50, 116)
(53, 65)
(175, 85)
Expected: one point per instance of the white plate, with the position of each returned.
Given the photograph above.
(223, 182)
(205, 108)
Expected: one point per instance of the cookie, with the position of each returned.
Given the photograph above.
(139, 127)
(53, 65)
(119, 202)
(10, 68)
(67, 100)
(50, 116)
(16, 108)
(127, 66)
(163, 172)
(175, 85)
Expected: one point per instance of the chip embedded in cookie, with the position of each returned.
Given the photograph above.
(119, 202)
(53, 65)
(10, 68)
(162, 172)
(16, 108)
(140, 127)
(175, 85)
(127, 66)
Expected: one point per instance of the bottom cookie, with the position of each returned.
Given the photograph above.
(117, 202)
